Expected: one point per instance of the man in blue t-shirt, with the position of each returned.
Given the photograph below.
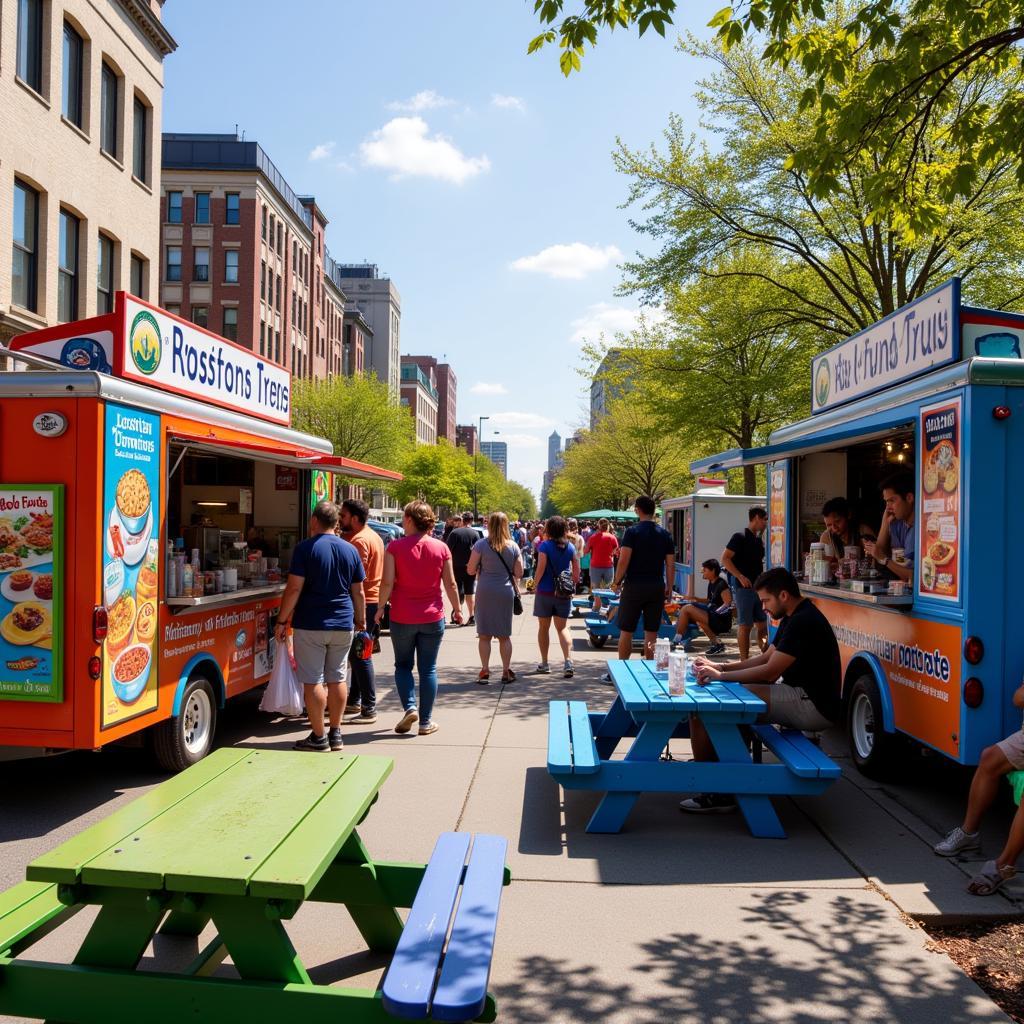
(323, 603)
(897, 532)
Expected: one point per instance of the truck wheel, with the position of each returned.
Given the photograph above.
(597, 641)
(874, 751)
(186, 738)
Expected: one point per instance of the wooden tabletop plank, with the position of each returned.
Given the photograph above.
(751, 702)
(215, 838)
(633, 696)
(65, 863)
(298, 863)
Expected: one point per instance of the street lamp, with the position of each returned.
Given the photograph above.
(476, 454)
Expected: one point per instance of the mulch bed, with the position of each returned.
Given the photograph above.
(992, 954)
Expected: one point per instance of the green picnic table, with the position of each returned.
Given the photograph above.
(243, 839)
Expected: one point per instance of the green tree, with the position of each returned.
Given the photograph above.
(845, 264)
(439, 474)
(356, 415)
(883, 76)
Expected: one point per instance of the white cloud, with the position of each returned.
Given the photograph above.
(403, 147)
(568, 262)
(321, 151)
(508, 102)
(483, 388)
(520, 440)
(427, 99)
(522, 420)
(604, 318)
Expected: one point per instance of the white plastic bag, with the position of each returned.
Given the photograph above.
(283, 695)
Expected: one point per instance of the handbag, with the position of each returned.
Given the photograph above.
(517, 601)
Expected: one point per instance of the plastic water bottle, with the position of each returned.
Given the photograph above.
(677, 673)
(662, 649)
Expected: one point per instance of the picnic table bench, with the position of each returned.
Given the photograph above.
(581, 744)
(600, 630)
(242, 839)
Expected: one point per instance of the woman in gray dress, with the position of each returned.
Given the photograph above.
(491, 561)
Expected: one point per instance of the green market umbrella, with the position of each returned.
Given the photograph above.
(628, 516)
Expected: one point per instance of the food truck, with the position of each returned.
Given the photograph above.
(935, 390)
(151, 493)
(701, 525)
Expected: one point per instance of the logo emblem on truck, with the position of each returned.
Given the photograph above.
(822, 382)
(144, 341)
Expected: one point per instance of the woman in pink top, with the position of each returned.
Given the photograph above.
(415, 567)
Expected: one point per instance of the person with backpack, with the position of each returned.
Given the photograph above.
(557, 575)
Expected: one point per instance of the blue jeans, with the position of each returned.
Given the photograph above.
(419, 642)
(362, 688)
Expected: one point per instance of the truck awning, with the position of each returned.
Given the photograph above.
(281, 453)
(360, 470)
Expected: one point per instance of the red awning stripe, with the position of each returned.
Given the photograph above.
(350, 467)
(284, 451)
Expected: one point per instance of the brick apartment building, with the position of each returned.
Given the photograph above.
(465, 437)
(419, 395)
(447, 384)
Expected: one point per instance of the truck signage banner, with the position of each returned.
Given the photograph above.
(777, 490)
(915, 339)
(31, 592)
(167, 352)
(131, 552)
(939, 521)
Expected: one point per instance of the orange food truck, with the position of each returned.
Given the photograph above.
(151, 493)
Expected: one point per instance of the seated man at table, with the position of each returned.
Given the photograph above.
(713, 616)
(798, 676)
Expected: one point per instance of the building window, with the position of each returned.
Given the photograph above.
(230, 329)
(231, 266)
(272, 229)
(202, 208)
(263, 223)
(138, 283)
(231, 208)
(30, 43)
(200, 315)
(201, 264)
(140, 141)
(67, 268)
(104, 275)
(277, 303)
(280, 236)
(173, 307)
(295, 254)
(263, 338)
(25, 258)
(108, 110)
(174, 263)
(263, 280)
(173, 207)
(277, 346)
(72, 98)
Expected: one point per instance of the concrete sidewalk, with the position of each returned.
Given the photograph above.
(679, 917)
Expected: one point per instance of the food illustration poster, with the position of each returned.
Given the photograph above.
(777, 474)
(31, 591)
(131, 548)
(320, 489)
(939, 518)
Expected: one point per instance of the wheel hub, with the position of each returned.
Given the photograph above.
(196, 720)
(862, 717)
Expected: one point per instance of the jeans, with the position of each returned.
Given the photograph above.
(362, 680)
(419, 641)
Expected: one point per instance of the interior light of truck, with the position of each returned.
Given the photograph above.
(974, 650)
(1001, 412)
(974, 692)
(95, 667)
(99, 623)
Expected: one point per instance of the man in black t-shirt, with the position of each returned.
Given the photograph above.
(460, 542)
(799, 676)
(714, 616)
(743, 559)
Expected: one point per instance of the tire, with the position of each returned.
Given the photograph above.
(186, 738)
(597, 641)
(874, 752)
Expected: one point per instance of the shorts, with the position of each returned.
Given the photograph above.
(748, 606)
(641, 599)
(790, 706)
(719, 623)
(601, 579)
(465, 583)
(547, 605)
(1013, 748)
(321, 655)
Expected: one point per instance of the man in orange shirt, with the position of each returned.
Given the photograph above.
(362, 691)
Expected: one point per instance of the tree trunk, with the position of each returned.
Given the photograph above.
(749, 479)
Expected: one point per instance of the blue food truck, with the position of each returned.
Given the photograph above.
(934, 391)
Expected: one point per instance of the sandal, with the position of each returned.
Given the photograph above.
(483, 678)
(990, 878)
(508, 677)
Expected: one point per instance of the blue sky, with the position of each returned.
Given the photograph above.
(476, 177)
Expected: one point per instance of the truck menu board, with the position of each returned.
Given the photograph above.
(130, 525)
(31, 591)
(941, 478)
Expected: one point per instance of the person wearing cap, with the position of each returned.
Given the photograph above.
(460, 543)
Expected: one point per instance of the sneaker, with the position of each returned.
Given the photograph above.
(370, 715)
(607, 678)
(567, 669)
(353, 711)
(708, 803)
(471, 621)
(427, 728)
(320, 744)
(958, 841)
(407, 721)
(677, 641)
(334, 739)
(715, 649)
(543, 668)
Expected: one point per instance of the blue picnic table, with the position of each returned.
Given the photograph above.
(600, 629)
(581, 744)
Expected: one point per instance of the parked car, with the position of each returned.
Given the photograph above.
(386, 531)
